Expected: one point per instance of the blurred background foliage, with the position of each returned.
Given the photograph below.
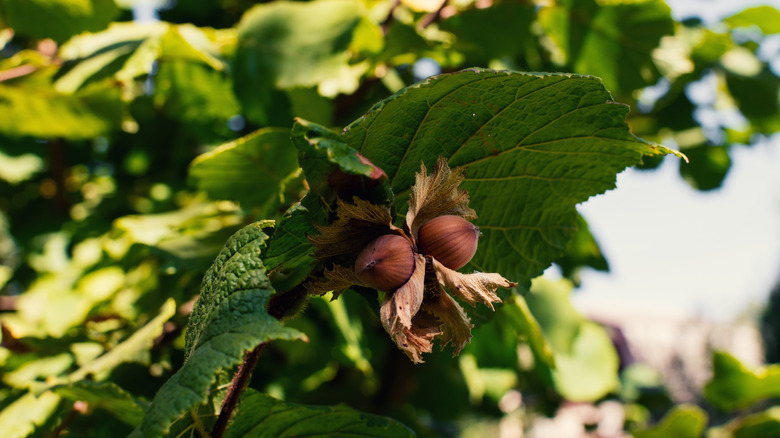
(130, 150)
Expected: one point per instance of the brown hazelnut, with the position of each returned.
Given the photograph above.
(386, 263)
(449, 239)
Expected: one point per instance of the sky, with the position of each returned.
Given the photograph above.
(679, 252)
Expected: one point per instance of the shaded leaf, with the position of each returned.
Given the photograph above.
(262, 416)
(333, 168)
(484, 34)
(289, 246)
(58, 19)
(105, 396)
(525, 140)
(250, 170)
(709, 166)
(733, 386)
(613, 41)
(582, 250)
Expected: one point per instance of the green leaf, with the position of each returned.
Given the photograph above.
(586, 363)
(262, 416)
(284, 45)
(757, 98)
(54, 304)
(682, 421)
(193, 232)
(289, 246)
(733, 386)
(58, 19)
(29, 108)
(106, 396)
(534, 146)
(759, 425)
(491, 33)
(16, 169)
(516, 311)
(334, 168)
(20, 418)
(228, 320)
(710, 165)
(582, 250)
(249, 170)
(196, 94)
(765, 18)
(128, 51)
(614, 41)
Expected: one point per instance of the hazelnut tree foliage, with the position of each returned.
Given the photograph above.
(143, 165)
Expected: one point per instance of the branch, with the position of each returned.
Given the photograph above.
(237, 385)
(390, 17)
(433, 16)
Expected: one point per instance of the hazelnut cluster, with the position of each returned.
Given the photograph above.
(416, 266)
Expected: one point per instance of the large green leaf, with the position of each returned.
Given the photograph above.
(262, 416)
(229, 319)
(733, 386)
(58, 19)
(614, 41)
(283, 45)
(249, 170)
(534, 146)
(682, 421)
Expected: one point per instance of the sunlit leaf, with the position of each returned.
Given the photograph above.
(682, 421)
(20, 418)
(765, 18)
(733, 386)
(29, 108)
(132, 349)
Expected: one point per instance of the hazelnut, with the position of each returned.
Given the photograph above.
(449, 239)
(386, 263)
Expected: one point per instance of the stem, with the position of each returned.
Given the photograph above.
(237, 385)
(433, 16)
(389, 20)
